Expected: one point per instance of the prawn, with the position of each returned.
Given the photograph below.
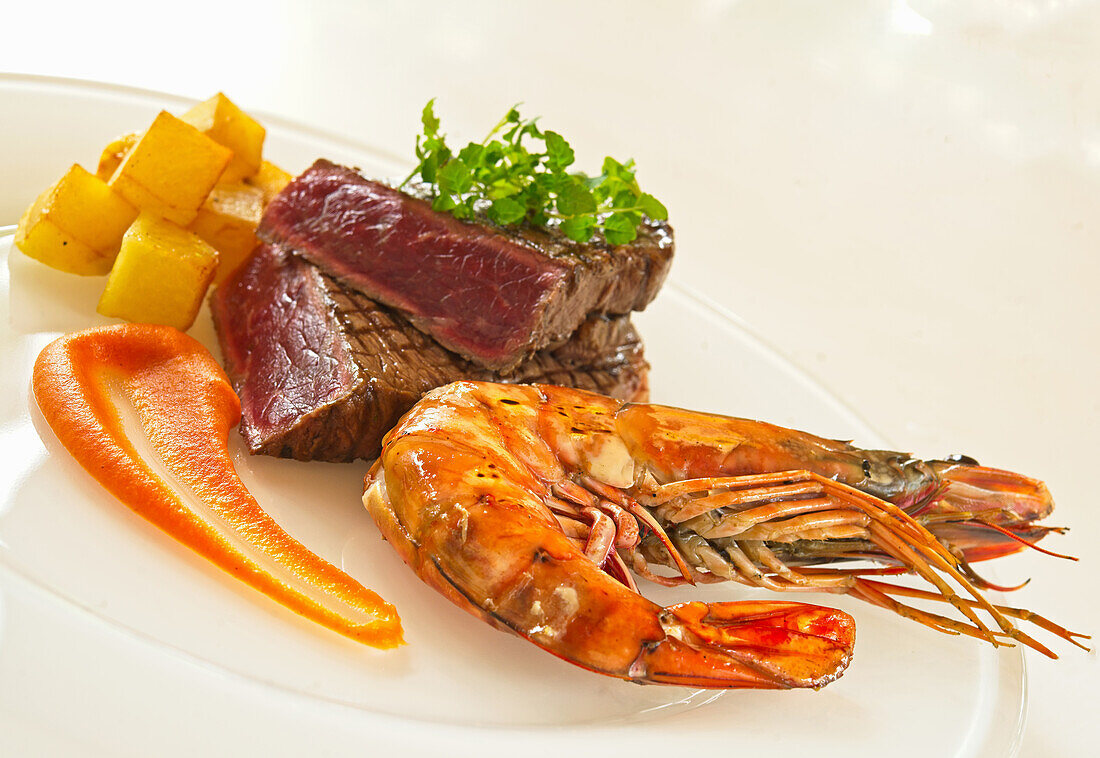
(529, 506)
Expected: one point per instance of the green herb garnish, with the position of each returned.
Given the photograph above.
(502, 178)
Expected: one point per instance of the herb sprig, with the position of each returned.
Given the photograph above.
(511, 184)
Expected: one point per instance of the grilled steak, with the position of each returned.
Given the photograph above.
(323, 372)
(494, 295)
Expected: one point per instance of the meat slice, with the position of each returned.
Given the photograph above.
(323, 372)
(494, 295)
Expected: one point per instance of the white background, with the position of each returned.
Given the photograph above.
(901, 197)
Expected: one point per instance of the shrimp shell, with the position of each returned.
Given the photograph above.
(529, 505)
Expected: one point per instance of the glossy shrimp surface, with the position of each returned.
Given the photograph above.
(530, 505)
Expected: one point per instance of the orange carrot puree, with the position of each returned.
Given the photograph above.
(88, 383)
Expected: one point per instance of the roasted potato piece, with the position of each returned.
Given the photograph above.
(114, 154)
(227, 220)
(160, 275)
(171, 169)
(271, 179)
(76, 225)
(226, 124)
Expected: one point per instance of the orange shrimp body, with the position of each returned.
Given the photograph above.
(526, 505)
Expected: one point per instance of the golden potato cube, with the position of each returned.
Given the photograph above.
(171, 169)
(270, 179)
(115, 152)
(160, 275)
(76, 225)
(227, 220)
(221, 120)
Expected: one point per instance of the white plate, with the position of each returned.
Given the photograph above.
(96, 601)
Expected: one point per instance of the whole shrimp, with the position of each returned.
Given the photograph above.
(529, 505)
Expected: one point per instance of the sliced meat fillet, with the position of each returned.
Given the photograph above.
(323, 371)
(494, 295)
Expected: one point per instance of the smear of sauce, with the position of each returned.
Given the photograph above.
(147, 411)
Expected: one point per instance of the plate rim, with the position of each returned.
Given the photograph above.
(726, 314)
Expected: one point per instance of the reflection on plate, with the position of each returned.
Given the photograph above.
(70, 539)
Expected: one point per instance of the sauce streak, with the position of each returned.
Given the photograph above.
(147, 411)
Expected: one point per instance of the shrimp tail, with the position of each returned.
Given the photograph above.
(749, 644)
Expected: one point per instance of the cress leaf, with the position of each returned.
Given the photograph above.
(623, 171)
(575, 199)
(579, 228)
(454, 177)
(619, 229)
(429, 120)
(624, 199)
(545, 183)
(531, 129)
(429, 167)
(443, 203)
(471, 154)
(501, 188)
(506, 211)
(493, 154)
(559, 153)
(652, 207)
